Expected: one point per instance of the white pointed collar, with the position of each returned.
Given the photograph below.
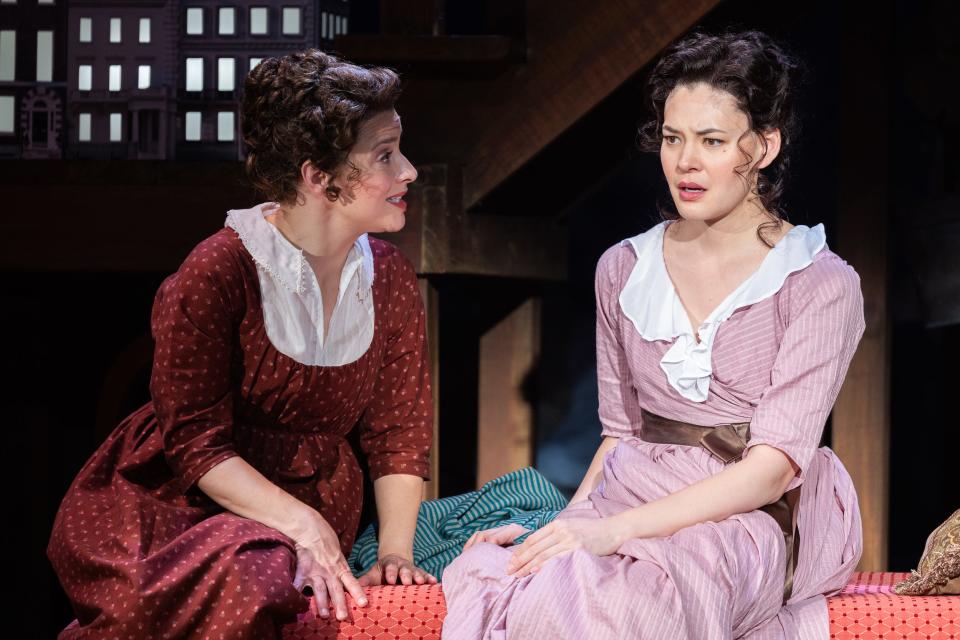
(285, 262)
(650, 301)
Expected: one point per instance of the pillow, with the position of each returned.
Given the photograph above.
(939, 570)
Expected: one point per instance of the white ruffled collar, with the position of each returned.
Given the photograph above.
(285, 262)
(650, 301)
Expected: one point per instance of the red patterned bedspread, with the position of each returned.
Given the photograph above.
(867, 609)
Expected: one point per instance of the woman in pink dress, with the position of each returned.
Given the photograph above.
(723, 336)
(207, 511)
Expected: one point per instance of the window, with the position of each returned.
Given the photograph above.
(254, 62)
(44, 56)
(114, 29)
(225, 126)
(291, 21)
(339, 28)
(86, 30)
(45, 1)
(195, 21)
(144, 30)
(258, 21)
(85, 77)
(143, 76)
(83, 129)
(226, 73)
(116, 127)
(344, 26)
(194, 74)
(192, 129)
(114, 77)
(6, 114)
(226, 21)
(323, 24)
(8, 54)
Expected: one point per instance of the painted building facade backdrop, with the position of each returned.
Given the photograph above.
(141, 79)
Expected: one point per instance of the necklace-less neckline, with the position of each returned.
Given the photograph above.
(695, 329)
(651, 302)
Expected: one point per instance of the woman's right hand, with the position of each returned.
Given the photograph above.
(322, 567)
(500, 535)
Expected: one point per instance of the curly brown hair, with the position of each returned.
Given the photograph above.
(308, 105)
(763, 80)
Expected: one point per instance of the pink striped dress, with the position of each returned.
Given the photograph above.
(774, 353)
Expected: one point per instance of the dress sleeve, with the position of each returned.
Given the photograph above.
(191, 380)
(396, 430)
(825, 323)
(619, 410)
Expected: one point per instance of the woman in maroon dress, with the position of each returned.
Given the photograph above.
(208, 510)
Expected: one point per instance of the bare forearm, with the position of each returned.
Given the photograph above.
(398, 503)
(742, 487)
(238, 487)
(592, 477)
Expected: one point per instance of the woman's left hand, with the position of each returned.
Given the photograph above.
(601, 537)
(392, 568)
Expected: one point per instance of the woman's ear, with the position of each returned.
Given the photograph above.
(314, 180)
(772, 140)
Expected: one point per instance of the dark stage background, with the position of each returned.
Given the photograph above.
(79, 333)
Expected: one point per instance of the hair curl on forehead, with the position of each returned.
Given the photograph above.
(308, 106)
(762, 78)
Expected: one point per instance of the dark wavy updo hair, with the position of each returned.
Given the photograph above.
(760, 75)
(304, 106)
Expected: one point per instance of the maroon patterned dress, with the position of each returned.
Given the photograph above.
(140, 550)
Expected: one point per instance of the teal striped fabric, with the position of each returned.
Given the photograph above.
(522, 497)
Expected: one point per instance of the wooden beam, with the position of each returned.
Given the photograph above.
(505, 424)
(431, 305)
(441, 239)
(114, 216)
(861, 421)
(576, 55)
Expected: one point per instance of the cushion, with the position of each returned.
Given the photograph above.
(939, 569)
(866, 609)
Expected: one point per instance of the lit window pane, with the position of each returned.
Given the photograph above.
(8, 54)
(192, 132)
(344, 24)
(194, 74)
(339, 24)
(226, 21)
(291, 21)
(225, 126)
(83, 134)
(86, 30)
(116, 127)
(6, 114)
(194, 21)
(44, 56)
(254, 62)
(143, 76)
(144, 30)
(45, 1)
(114, 29)
(225, 74)
(115, 71)
(323, 24)
(85, 77)
(258, 21)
